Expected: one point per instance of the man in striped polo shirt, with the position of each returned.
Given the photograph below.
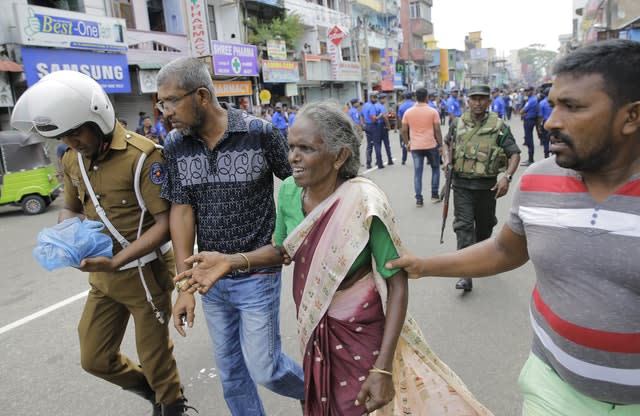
(577, 217)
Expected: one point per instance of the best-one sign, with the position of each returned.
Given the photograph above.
(44, 26)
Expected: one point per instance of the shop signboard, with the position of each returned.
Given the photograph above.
(280, 71)
(234, 59)
(45, 26)
(110, 70)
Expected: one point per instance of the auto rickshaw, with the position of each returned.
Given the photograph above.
(27, 177)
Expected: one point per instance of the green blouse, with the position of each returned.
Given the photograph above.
(290, 214)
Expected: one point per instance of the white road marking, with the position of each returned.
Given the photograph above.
(42, 312)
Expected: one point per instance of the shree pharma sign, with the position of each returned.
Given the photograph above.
(43, 26)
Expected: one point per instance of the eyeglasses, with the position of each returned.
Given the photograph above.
(171, 102)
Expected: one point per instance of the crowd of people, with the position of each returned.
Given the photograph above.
(574, 215)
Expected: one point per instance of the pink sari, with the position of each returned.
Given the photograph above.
(340, 331)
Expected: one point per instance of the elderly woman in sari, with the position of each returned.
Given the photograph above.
(360, 351)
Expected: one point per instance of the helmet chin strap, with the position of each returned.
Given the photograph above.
(102, 147)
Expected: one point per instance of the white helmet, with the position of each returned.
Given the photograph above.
(63, 101)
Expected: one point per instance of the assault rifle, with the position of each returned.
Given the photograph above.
(445, 194)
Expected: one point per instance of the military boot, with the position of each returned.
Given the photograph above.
(177, 408)
(146, 392)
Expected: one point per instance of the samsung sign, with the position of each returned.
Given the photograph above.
(108, 69)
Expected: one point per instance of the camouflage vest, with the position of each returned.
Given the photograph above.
(477, 151)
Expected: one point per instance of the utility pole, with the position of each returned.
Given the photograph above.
(366, 54)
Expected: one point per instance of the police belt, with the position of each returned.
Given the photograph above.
(148, 258)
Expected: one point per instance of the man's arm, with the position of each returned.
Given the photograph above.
(502, 253)
(213, 265)
(405, 133)
(71, 210)
(437, 132)
(183, 225)
(502, 186)
(150, 240)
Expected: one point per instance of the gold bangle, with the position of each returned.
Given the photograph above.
(375, 369)
(245, 270)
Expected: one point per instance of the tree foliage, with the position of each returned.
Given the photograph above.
(289, 28)
(538, 62)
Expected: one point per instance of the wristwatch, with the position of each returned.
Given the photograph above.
(508, 177)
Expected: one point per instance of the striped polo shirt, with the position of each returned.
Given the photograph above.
(585, 307)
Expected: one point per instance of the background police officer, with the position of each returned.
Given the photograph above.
(99, 172)
(480, 147)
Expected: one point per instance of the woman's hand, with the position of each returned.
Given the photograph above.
(207, 268)
(376, 391)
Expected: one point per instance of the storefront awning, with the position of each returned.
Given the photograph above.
(149, 65)
(10, 66)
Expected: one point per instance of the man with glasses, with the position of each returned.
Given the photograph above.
(220, 167)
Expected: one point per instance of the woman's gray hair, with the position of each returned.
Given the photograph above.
(337, 130)
(189, 74)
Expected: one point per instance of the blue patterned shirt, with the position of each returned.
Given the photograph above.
(230, 187)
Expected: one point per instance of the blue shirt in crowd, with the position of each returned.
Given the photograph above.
(406, 104)
(498, 106)
(453, 106)
(544, 109)
(278, 120)
(355, 115)
(368, 110)
(531, 108)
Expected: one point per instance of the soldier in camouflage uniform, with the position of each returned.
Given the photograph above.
(480, 147)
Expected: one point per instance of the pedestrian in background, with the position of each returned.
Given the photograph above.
(442, 104)
(147, 130)
(497, 104)
(422, 136)
(99, 185)
(220, 167)
(161, 129)
(384, 126)
(279, 121)
(544, 112)
(481, 147)
(508, 104)
(370, 115)
(453, 106)
(529, 118)
(292, 115)
(575, 216)
(406, 104)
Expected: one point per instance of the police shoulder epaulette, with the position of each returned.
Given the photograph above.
(140, 142)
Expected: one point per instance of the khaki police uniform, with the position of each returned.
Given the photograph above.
(116, 296)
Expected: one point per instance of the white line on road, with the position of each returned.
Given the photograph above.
(43, 312)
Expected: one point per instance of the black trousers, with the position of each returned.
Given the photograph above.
(474, 215)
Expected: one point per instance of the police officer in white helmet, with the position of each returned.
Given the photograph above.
(113, 175)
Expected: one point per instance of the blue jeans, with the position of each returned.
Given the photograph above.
(243, 317)
(433, 158)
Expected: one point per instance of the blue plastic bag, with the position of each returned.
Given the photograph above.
(70, 241)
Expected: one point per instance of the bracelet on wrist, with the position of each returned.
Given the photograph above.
(246, 269)
(182, 284)
(375, 369)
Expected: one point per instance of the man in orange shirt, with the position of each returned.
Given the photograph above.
(422, 135)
